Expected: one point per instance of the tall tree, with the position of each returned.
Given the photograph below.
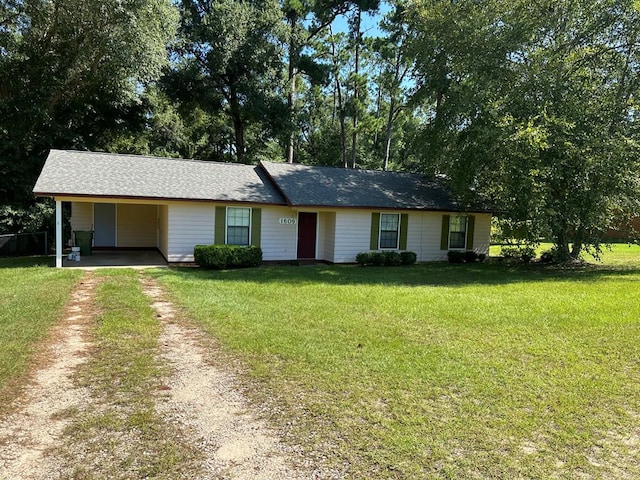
(70, 72)
(535, 104)
(395, 69)
(234, 48)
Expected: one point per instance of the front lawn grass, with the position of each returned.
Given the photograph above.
(439, 370)
(32, 297)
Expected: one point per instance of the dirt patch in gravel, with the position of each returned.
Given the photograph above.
(36, 424)
(205, 401)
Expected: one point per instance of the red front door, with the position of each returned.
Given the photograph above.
(307, 235)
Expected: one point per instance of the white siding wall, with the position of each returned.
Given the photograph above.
(137, 225)
(425, 229)
(326, 235)
(189, 224)
(341, 235)
(81, 215)
(278, 242)
(423, 236)
(482, 233)
(353, 232)
(163, 230)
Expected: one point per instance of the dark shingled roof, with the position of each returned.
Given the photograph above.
(306, 186)
(76, 173)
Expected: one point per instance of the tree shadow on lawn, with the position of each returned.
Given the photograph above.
(27, 262)
(436, 274)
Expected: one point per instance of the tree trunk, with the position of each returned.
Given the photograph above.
(354, 134)
(291, 95)
(562, 243)
(238, 124)
(387, 140)
(376, 140)
(338, 91)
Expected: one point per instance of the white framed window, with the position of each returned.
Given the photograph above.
(238, 225)
(389, 230)
(457, 232)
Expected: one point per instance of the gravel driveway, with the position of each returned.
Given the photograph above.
(199, 397)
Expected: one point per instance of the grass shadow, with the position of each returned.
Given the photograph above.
(428, 274)
(27, 262)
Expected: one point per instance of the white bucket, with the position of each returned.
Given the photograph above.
(75, 249)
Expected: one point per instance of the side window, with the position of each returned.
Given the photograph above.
(238, 225)
(457, 232)
(389, 230)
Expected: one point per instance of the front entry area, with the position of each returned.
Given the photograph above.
(307, 229)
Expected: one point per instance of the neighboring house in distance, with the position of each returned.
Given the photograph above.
(625, 233)
(293, 212)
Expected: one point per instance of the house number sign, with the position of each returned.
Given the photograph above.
(288, 221)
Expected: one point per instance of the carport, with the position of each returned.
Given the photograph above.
(118, 258)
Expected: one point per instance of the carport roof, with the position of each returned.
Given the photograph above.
(77, 173)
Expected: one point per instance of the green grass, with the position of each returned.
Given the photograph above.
(440, 371)
(32, 297)
(118, 433)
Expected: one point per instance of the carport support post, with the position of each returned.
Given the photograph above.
(58, 234)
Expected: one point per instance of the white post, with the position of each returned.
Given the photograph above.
(58, 234)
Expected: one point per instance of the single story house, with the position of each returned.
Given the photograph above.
(293, 212)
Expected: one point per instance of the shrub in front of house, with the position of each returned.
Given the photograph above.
(363, 258)
(470, 256)
(377, 259)
(218, 257)
(392, 258)
(408, 258)
(387, 258)
(455, 256)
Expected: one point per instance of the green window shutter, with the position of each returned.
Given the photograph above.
(404, 224)
(375, 230)
(471, 223)
(256, 226)
(221, 222)
(444, 238)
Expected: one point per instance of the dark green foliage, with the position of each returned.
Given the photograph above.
(219, 257)
(377, 259)
(482, 257)
(510, 252)
(470, 256)
(547, 256)
(455, 256)
(534, 105)
(392, 258)
(526, 253)
(71, 77)
(388, 258)
(363, 258)
(408, 258)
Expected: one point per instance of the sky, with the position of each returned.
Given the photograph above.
(369, 22)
